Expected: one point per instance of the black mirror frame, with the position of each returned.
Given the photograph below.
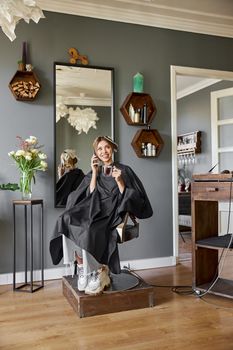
(54, 107)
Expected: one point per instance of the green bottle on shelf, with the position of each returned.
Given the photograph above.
(138, 81)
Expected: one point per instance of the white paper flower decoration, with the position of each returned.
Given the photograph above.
(12, 11)
(61, 111)
(82, 119)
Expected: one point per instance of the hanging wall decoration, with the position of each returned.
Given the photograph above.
(24, 85)
(75, 57)
(82, 119)
(12, 11)
(139, 109)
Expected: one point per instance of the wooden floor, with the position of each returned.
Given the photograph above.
(185, 246)
(44, 320)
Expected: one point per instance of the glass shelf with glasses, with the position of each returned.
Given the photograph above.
(188, 145)
(186, 158)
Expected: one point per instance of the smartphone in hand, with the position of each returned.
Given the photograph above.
(95, 160)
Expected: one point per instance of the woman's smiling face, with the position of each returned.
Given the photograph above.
(104, 152)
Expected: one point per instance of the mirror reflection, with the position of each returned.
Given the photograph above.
(83, 110)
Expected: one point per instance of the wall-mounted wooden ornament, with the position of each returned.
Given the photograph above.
(75, 57)
(24, 85)
(137, 100)
(145, 137)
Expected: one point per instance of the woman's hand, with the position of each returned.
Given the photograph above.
(116, 173)
(94, 163)
(60, 170)
(94, 167)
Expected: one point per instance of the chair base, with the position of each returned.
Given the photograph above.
(126, 292)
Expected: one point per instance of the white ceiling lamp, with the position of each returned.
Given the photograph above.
(12, 11)
(61, 111)
(82, 119)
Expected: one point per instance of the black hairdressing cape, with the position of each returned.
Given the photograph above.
(66, 184)
(90, 219)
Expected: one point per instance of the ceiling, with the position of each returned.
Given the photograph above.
(83, 86)
(88, 86)
(187, 85)
(213, 17)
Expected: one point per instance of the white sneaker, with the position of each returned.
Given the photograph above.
(82, 279)
(98, 281)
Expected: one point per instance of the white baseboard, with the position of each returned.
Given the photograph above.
(58, 272)
(143, 264)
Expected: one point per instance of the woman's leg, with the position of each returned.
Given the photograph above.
(86, 266)
(73, 254)
(93, 277)
(90, 263)
(69, 249)
(98, 274)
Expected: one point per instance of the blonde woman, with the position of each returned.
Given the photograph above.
(69, 176)
(92, 215)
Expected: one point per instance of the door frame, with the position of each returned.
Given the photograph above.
(215, 123)
(196, 72)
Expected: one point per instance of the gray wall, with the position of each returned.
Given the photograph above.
(128, 48)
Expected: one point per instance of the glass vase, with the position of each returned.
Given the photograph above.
(26, 185)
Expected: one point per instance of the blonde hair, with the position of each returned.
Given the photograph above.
(113, 144)
(69, 158)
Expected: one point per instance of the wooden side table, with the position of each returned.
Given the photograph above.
(207, 191)
(29, 204)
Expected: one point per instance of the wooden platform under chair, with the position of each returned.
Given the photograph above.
(140, 296)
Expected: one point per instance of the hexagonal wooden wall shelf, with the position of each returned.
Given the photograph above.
(137, 100)
(24, 85)
(145, 136)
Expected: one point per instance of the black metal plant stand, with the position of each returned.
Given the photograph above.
(29, 286)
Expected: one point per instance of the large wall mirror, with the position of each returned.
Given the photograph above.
(84, 109)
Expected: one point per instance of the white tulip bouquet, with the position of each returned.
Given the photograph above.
(29, 158)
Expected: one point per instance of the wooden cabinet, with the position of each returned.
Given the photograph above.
(147, 143)
(207, 191)
(140, 103)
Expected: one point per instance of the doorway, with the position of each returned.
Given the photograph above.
(175, 72)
